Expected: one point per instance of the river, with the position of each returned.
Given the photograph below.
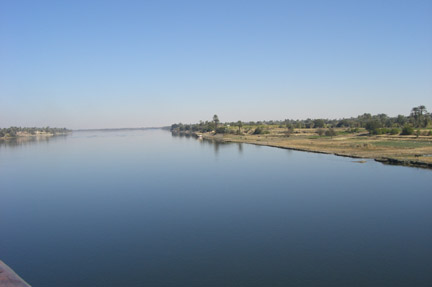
(145, 208)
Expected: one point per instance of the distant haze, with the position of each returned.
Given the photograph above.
(110, 64)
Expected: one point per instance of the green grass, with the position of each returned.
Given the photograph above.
(403, 144)
(319, 137)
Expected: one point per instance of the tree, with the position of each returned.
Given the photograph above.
(415, 114)
(419, 116)
(216, 121)
(422, 110)
(424, 120)
(290, 127)
(401, 120)
(221, 130)
(319, 123)
(260, 130)
(407, 130)
(330, 132)
(343, 123)
(363, 119)
(373, 126)
(383, 118)
(240, 125)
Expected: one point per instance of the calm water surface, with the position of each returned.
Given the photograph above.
(143, 208)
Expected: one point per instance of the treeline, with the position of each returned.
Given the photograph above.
(17, 131)
(376, 124)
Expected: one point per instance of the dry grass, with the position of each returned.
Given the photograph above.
(361, 145)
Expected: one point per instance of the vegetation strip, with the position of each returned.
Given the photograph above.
(14, 132)
(401, 140)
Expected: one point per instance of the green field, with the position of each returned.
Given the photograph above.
(403, 144)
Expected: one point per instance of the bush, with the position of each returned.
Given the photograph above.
(407, 130)
(221, 130)
(330, 132)
(394, 131)
(320, 131)
(260, 131)
(319, 123)
(381, 131)
(373, 127)
(353, 130)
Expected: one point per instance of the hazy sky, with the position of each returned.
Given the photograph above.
(100, 64)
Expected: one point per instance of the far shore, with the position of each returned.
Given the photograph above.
(396, 150)
(28, 135)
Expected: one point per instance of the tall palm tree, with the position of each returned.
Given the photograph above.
(415, 112)
(216, 120)
(240, 125)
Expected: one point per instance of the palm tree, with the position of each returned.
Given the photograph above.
(240, 125)
(216, 120)
(415, 112)
(418, 114)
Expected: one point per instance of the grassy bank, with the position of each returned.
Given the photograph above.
(410, 150)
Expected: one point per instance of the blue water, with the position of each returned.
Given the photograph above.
(144, 208)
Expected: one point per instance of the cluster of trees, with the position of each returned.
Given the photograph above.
(15, 131)
(330, 132)
(207, 126)
(210, 126)
(382, 124)
(375, 124)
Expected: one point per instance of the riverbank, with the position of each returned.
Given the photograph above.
(396, 150)
(32, 135)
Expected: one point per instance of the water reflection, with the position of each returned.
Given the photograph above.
(215, 144)
(181, 135)
(240, 147)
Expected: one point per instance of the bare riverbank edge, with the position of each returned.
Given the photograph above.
(409, 151)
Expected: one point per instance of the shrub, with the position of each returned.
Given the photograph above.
(353, 130)
(373, 127)
(330, 132)
(221, 130)
(407, 130)
(320, 131)
(319, 123)
(260, 131)
(394, 131)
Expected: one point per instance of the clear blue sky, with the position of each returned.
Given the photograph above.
(100, 64)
